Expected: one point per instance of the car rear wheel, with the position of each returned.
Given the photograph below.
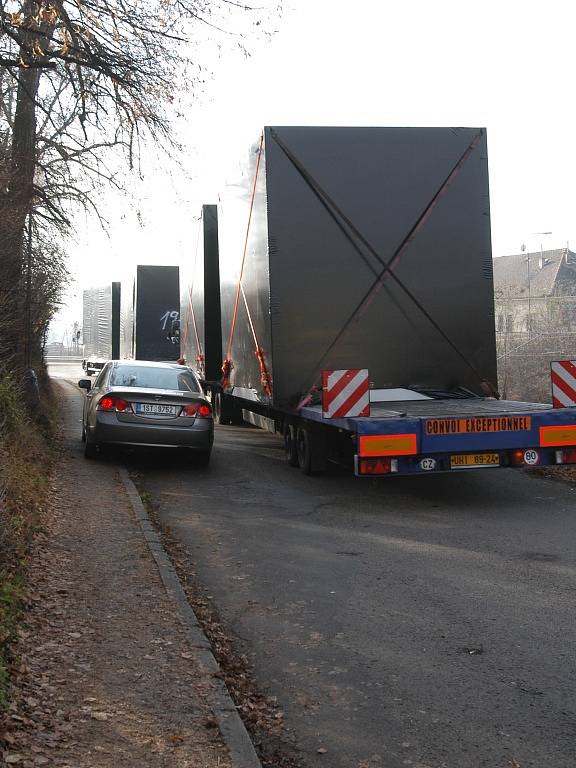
(201, 458)
(91, 450)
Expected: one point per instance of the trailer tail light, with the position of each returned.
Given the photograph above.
(114, 404)
(566, 456)
(377, 466)
(525, 457)
(387, 445)
(553, 437)
(197, 410)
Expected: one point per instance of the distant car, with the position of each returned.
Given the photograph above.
(134, 402)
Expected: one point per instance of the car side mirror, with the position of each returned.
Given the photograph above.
(85, 384)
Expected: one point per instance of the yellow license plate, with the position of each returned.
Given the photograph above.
(465, 460)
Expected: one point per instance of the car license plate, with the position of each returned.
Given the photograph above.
(465, 460)
(155, 409)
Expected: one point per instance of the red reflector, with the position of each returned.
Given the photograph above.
(374, 466)
(106, 404)
(387, 445)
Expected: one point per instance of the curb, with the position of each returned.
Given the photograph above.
(233, 730)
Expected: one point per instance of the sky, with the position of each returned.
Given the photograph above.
(507, 66)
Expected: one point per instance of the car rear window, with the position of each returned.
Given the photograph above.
(146, 377)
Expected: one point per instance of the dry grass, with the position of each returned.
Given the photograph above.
(26, 453)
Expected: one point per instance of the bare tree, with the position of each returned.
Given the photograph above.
(80, 78)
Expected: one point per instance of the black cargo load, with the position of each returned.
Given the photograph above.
(149, 312)
(367, 248)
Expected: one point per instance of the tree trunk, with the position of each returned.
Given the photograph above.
(18, 198)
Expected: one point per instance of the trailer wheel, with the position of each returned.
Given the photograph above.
(304, 450)
(311, 450)
(221, 415)
(290, 448)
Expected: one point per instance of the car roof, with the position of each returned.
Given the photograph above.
(150, 364)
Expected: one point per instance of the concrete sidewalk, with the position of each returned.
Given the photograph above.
(108, 676)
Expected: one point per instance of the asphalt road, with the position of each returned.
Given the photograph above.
(426, 622)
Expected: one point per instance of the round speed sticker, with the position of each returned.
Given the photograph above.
(531, 456)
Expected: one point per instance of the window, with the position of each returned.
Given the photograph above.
(101, 376)
(149, 377)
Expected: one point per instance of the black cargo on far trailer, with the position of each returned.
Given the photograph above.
(150, 310)
(354, 249)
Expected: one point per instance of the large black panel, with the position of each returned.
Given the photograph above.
(321, 196)
(116, 295)
(148, 312)
(201, 328)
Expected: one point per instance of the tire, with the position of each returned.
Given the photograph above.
(290, 449)
(83, 434)
(91, 450)
(304, 450)
(201, 458)
(221, 412)
(311, 452)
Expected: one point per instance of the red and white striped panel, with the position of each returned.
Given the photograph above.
(345, 393)
(563, 374)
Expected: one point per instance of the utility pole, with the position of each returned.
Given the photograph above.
(529, 323)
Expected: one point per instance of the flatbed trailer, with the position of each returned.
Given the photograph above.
(414, 437)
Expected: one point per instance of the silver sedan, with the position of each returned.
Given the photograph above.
(136, 402)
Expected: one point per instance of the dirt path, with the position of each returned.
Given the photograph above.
(106, 677)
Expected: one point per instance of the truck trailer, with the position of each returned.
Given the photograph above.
(344, 297)
(150, 312)
(100, 326)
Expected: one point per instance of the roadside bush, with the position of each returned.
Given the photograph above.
(26, 453)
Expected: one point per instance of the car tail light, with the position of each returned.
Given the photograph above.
(566, 456)
(114, 404)
(197, 410)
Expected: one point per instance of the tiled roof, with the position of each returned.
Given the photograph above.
(511, 273)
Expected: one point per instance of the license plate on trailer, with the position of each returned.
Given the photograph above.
(465, 460)
(155, 409)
